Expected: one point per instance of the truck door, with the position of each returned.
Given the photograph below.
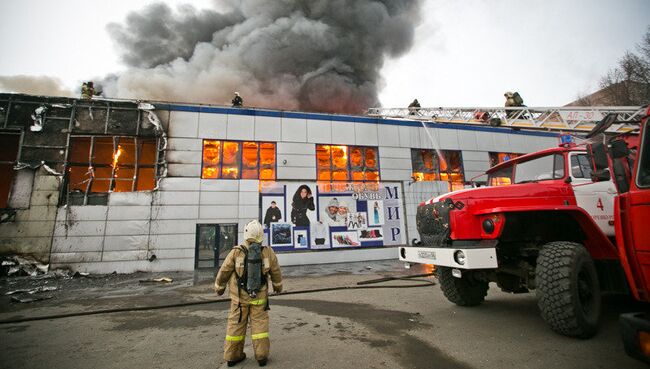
(597, 198)
(633, 210)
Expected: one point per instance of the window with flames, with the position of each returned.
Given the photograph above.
(442, 165)
(347, 163)
(111, 164)
(500, 157)
(238, 160)
(502, 178)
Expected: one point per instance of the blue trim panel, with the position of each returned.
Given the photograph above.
(347, 118)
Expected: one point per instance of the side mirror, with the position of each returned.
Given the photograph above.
(618, 149)
(600, 175)
(598, 156)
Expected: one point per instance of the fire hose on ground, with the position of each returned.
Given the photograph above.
(360, 285)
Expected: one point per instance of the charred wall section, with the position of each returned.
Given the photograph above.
(37, 171)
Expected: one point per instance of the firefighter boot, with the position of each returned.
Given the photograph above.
(233, 348)
(260, 331)
(233, 363)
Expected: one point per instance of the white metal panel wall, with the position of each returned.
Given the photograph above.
(365, 134)
(296, 161)
(268, 129)
(31, 233)
(135, 225)
(395, 163)
(319, 131)
(294, 130)
(212, 125)
(475, 163)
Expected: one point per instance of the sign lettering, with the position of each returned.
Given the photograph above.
(390, 194)
(394, 233)
(391, 214)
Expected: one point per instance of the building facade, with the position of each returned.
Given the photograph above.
(102, 186)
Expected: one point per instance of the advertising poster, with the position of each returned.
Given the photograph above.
(280, 234)
(273, 210)
(317, 216)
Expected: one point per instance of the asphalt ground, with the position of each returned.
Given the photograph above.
(392, 327)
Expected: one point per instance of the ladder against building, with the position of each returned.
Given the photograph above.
(565, 119)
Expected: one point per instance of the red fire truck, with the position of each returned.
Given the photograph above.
(548, 221)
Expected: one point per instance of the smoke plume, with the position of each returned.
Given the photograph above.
(311, 55)
(34, 85)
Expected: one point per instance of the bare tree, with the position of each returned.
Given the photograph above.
(629, 82)
(584, 99)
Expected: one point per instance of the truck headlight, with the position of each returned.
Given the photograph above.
(459, 257)
(488, 226)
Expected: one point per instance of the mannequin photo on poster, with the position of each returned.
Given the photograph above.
(375, 212)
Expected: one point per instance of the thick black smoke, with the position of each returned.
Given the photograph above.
(319, 55)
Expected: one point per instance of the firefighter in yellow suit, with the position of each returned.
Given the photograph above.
(244, 308)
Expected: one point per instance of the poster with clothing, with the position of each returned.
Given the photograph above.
(320, 236)
(301, 203)
(273, 214)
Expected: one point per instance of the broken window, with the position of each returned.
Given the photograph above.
(345, 163)
(238, 160)
(442, 165)
(101, 164)
(8, 154)
(425, 165)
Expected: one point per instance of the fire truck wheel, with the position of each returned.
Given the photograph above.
(466, 291)
(567, 289)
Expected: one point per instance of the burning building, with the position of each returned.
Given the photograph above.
(115, 185)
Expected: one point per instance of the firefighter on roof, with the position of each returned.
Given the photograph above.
(414, 107)
(246, 271)
(513, 99)
(237, 101)
(87, 90)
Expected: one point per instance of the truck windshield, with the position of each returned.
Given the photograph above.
(501, 177)
(540, 169)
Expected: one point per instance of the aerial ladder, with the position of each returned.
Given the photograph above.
(564, 119)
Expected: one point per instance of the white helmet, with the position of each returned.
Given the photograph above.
(253, 232)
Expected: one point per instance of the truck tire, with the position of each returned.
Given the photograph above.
(568, 290)
(466, 291)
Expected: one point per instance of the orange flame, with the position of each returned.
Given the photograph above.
(210, 172)
(230, 172)
(116, 156)
(429, 268)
